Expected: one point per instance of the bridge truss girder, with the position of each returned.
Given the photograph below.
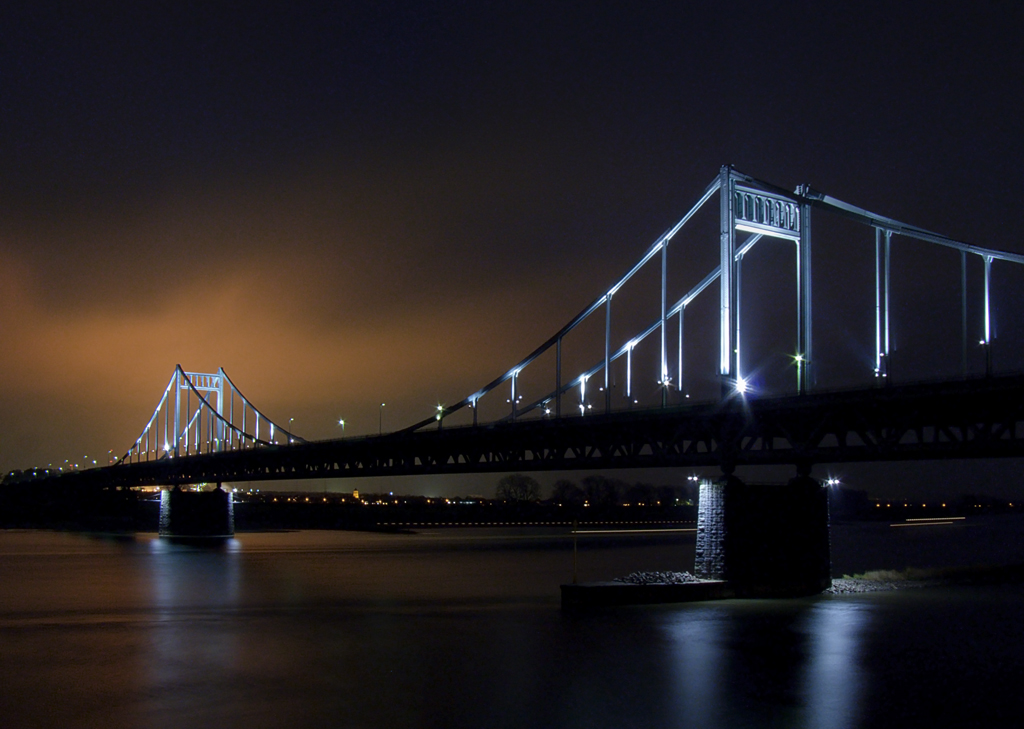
(982, 418)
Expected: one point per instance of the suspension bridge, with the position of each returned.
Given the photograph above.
(204, 430)
(554, 413)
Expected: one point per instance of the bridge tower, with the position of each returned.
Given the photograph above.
(200, 413)
(765, 541)
(761, 210)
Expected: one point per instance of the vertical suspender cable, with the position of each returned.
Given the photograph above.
(177, 410)
(963, 313)
(629, 374)
(515, 376)
(988, 317)
(664, 362)
(558, 381)
(727, 245)
(888, 255)
(878, 302)
(679, 383)
(738, 297)
(804, 290)
(607, 345)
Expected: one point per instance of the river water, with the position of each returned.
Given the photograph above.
(462, 628)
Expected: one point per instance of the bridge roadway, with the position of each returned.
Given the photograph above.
(973, 418)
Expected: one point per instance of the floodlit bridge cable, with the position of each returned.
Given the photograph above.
(759, 208)
(968, 418)
(746, 204)
(179, 435)
(556, 338)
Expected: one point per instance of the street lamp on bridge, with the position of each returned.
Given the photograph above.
(380, 420)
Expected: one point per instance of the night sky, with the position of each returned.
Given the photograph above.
(376, 202)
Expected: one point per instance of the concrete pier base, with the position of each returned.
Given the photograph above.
(196, 514)
(764, 541)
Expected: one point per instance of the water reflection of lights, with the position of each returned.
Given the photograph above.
(700, 655)
(929, 521)
(713, 668)
(833, 681)
(187, 582)
(588, 532)
(160, 545)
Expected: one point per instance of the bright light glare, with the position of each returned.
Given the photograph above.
(741, 385)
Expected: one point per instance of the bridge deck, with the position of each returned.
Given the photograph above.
(976, 418)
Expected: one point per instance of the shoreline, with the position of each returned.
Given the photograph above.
(648, 588)
(913, 578)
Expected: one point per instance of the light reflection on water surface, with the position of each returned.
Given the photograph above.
(462, 629)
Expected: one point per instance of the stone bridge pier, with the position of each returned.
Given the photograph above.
(766, 541)
(196, 514)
